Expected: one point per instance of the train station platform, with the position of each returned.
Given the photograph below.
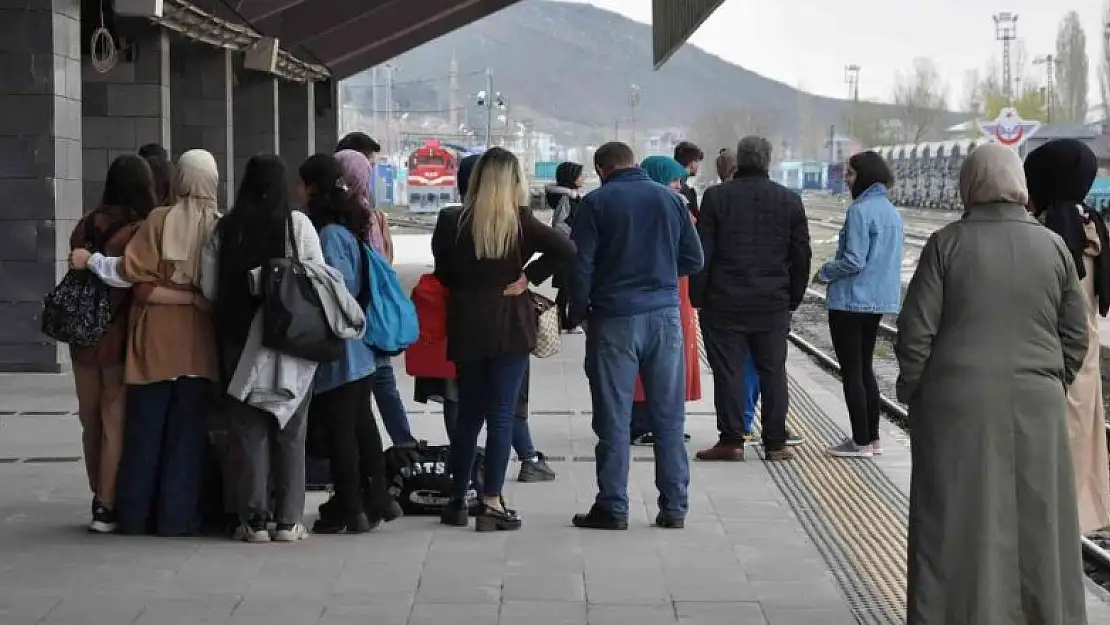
(816, 540)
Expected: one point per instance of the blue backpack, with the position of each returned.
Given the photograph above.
(391, 322)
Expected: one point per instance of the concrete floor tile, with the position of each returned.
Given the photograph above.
(626, 587)
(791, 616)
(454, 614)
(460, 588)
(812, 594)
(639, 614)
(709, 584)
(719, 613)
(393, 614)
(543, 613)
(537, 586)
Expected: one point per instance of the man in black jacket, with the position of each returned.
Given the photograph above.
(757, 261)
(689, 156)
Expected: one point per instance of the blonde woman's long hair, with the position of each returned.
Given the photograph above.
(492, 205)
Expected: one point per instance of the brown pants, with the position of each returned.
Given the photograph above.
(100, 406)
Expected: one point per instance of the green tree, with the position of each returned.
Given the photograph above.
(1071, 70)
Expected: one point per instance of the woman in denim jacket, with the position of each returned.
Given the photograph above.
(864, 283)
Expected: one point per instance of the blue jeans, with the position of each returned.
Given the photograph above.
(488, 392)
(389, 403)
(617, 348)
(751, 384)
(522, 434)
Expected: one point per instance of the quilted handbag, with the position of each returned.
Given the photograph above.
(78, 311)
(548, 339)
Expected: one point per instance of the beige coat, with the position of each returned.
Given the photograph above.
(1086, 416)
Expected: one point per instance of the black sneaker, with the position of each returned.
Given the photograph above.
(598, 519)
(349, 524)
(103, 519)
(536, 470)
(648, 440)
(668, 522)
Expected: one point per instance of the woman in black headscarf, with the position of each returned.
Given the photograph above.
(1060, 174)
(563, 198)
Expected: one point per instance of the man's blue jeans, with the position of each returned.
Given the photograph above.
(751, 384)
(389, 402)
(617, 348)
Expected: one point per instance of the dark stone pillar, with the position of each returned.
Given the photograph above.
(202, 104)
(127, 107)
(327, 116)
(298, 122)
(255, 105)
(40, 170)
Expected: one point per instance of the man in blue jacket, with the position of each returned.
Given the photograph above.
(635, 238)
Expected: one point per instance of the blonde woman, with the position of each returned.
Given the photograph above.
(479, 251)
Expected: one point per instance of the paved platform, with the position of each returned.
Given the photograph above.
(753, 551)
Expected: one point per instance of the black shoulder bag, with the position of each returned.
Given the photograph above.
(293, 319)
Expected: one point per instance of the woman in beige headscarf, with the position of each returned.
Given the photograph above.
(992, 329)
(171, 358)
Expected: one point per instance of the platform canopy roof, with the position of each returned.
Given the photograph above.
(348, 36)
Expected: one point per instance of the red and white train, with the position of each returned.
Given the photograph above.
(431, 177)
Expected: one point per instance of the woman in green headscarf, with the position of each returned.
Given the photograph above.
(667, 171)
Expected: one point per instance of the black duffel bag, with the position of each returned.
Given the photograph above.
(293, 320)
(419, 477)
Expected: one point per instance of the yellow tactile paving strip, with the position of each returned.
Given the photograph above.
(851, 510)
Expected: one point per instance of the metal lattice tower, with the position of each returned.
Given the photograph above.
(1005, 30)
(1049, 61)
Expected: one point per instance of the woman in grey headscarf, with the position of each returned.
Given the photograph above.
(992, 330)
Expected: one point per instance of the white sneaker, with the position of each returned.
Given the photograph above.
(249, 534)
(292, 534)
(876, 447)
(849, 449)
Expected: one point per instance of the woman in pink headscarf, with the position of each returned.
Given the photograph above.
(356, 172)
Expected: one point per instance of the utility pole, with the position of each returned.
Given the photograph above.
(388, 111)
(489, 107)
(1005, 30)
(635, 95)
(616, 129)
(1049, 62)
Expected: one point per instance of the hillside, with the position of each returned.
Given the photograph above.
(568, 69)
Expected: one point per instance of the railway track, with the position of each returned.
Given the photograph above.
(1098, 555)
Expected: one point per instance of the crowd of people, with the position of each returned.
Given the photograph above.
(997, 346)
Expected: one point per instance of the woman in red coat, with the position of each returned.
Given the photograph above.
(669, 172)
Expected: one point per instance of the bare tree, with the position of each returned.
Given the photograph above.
(1104, 64)
(809, 133)
(922, 97)
(973, 94)
(1071, 69)
(1028, 92)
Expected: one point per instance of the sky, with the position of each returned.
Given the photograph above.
(808, 43)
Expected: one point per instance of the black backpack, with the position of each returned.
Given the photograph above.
(418, 477)
(79, 310)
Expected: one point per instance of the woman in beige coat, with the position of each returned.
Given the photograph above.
(992, 329)
(1060, 174)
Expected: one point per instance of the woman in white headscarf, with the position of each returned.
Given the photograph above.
(992, 330)
(171, 356)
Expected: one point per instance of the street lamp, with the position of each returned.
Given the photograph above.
(488, 99)
(1005, 30)
(1049, 62)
